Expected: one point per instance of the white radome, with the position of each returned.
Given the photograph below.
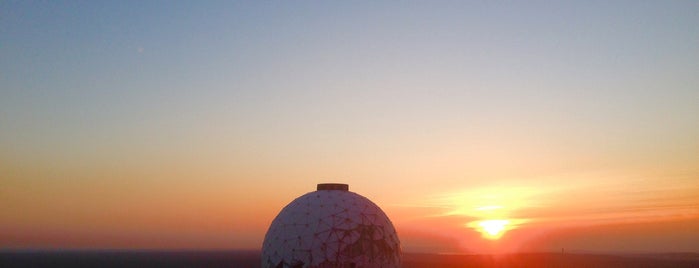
(331, 227)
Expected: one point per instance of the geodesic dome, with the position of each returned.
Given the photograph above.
(331, 227)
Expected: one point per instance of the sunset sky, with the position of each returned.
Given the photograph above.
(188, 125)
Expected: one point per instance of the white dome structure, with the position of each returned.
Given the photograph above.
(331, 227)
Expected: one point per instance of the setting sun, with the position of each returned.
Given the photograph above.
(491, 229)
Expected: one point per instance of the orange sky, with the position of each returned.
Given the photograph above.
(135, 210)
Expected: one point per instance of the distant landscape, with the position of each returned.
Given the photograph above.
(214, 259)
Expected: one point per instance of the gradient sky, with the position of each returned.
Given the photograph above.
(173, 124)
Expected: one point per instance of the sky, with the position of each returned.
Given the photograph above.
(190, 125)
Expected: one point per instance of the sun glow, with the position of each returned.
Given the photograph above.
(490, 209)
(491, 229)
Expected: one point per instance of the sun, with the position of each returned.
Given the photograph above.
(493, 229)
